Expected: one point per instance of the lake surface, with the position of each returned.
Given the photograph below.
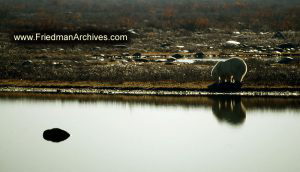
(149, 134)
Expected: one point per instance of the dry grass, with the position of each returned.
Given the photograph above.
(76, 69)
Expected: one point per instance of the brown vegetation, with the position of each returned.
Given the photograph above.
(189, 15)
(261, 73)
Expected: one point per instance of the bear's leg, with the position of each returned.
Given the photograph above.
(231, 79)
(218, 81)
(237, 78)
(223, 79)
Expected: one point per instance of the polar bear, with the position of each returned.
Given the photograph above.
(231, 70)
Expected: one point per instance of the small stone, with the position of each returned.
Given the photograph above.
(177, 56)
(55, 135)
(286, 60)
(278, 35)
(137, 55)
(199, 55)
(171, 59)
(27, 63)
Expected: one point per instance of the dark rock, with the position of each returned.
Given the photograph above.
(287, 45)
(278, 35)
(177, 56)
(112, 59)
(27, 63)
(165, 45)
(55, 135)
(260, 47)
(171, 59)
(278, 49)
(42, 57)
(199, 55)
(286, 60)
(96, 48)
(141, 60)
(137, 55)
(225, 86)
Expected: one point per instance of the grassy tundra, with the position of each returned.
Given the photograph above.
(94, 65)
(78, 71)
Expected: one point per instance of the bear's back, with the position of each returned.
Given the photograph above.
(236, 63)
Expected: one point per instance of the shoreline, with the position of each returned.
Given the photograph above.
(166, 88)
(155, 92)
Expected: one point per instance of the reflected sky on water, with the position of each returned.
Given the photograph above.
(146, 133)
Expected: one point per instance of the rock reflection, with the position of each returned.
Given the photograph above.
(229, 109)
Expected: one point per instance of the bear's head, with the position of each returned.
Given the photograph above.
(215, 71)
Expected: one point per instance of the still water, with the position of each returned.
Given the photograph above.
(149, 134)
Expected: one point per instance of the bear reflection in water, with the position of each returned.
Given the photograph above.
(229, 109)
